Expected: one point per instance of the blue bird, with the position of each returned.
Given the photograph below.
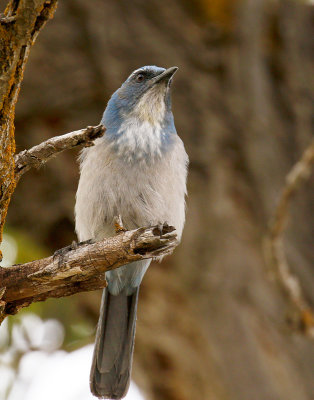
(137, 170)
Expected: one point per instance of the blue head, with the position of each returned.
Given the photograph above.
(138, 117)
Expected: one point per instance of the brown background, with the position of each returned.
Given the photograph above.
(212, 322)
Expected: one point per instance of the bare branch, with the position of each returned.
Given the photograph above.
(275, 246)
(79, 267)
(38, 155)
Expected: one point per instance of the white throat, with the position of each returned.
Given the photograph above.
(142, 134)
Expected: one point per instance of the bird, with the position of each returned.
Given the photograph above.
(138, 171)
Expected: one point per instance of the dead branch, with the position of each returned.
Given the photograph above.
(79, 267)
(275, 246)
(40, 154)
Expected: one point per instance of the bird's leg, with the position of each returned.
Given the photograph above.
(118, 225)
(160, 228)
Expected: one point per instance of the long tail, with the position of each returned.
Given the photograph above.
(113, 352)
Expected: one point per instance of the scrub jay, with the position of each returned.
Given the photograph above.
(137, 170)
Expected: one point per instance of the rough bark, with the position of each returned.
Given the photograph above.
(19, 27)
(79, 267)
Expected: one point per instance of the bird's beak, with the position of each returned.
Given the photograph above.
(165, 76)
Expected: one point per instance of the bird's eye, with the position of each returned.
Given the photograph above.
(140, 77)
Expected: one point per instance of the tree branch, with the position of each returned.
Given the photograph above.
(79, 267)
(38, 155)
(275, 246)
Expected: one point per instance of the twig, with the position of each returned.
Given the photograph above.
(38, 155)
(79, 268)
(276, 254)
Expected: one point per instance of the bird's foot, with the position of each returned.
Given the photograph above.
(73, 246)
(66, 249)
(162, 228)
(118, 224)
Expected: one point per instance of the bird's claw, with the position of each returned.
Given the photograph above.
(65, 250)
(163, 229)
(118, 224)
(160, 228)
(73, 246)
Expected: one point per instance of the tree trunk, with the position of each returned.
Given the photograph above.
(19, 27)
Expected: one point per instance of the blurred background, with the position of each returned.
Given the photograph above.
(213, 323)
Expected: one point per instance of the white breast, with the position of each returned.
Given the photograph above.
(139, 140)
(141, 193)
